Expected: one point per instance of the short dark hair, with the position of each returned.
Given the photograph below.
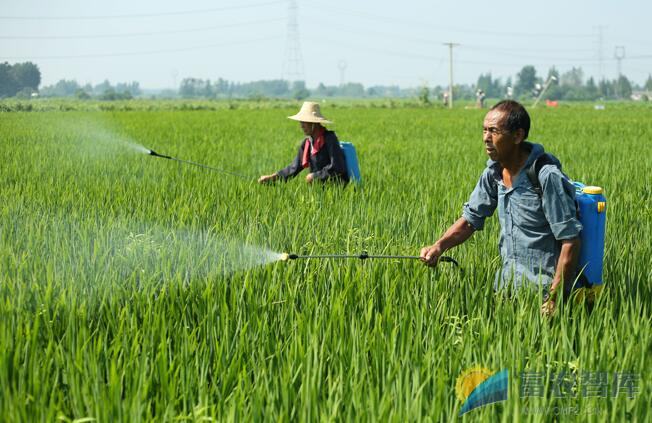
(517, 116)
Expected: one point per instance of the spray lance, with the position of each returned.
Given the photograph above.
(363, 256)
(163, 156)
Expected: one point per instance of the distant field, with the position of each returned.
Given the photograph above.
(131, 287)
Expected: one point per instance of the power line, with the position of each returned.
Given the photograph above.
(412, 23)
(520, 49)
(139, 53)
(142, 15)
(383, 51)
(134, 34)
(397, 36)
(416, 56)
(525, 56)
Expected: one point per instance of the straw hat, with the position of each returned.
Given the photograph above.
(310, 113)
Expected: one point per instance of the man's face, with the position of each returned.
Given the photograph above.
(307, 127)
(499, 142)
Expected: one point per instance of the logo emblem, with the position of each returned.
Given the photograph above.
(480, 386)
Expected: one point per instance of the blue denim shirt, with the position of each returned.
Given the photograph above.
(531, 227)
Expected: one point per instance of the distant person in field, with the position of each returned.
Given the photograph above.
(479, 96)
(539, 239)
(319, 151)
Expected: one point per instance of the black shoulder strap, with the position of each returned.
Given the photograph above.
(535, 168)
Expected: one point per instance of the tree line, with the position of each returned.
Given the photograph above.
(19, 79)
(279, 88)
(569, 86)
(102, 91)
(23, 80)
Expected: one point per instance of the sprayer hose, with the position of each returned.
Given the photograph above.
(365, 256)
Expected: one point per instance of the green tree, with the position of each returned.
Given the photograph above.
(8, 85)
(351, 89)
(592, 91)
(574, 78)
(299, 90)
(108, 95)
(191, 87)
(424, 95)
(63, 88)
(623, 87)
(555, 90)
(491, 87)
(525, 80)
(606, 88)
(26, 75)
(82, 95)
(133, 87)
(221, 87)
(102, 87)
(648, 83)
(325, 91)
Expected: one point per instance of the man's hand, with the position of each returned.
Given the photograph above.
(309, 178)
(267, 178)
(459, 232)
(430, 255)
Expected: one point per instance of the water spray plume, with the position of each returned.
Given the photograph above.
(163, 156)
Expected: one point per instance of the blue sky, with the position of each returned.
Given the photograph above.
(380, 42)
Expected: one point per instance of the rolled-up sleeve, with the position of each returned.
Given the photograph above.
(482, 202)
(558, 202)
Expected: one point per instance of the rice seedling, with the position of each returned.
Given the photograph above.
(134, 290)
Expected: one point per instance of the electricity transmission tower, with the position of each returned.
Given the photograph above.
(600, 29)
(619, 55)
(293, 64)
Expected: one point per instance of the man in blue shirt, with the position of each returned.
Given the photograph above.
(539, 237)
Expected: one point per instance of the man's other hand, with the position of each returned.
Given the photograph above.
(548, 308)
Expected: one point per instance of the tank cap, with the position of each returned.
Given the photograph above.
(592, 190)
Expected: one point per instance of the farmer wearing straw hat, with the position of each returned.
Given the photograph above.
(320, 150)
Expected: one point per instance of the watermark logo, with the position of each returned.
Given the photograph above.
(480, 386)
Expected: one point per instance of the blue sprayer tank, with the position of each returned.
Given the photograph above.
(592, 208)
(351, 161)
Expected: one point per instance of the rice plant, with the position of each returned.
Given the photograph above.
(138, 289)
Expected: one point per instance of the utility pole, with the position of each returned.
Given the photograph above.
(543, 91)
(450, 73)
(342, 66)
(619, 55)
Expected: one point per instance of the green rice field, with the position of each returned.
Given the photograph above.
(134, 288)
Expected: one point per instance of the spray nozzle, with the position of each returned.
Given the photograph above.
(286, 257)
(155, 154)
